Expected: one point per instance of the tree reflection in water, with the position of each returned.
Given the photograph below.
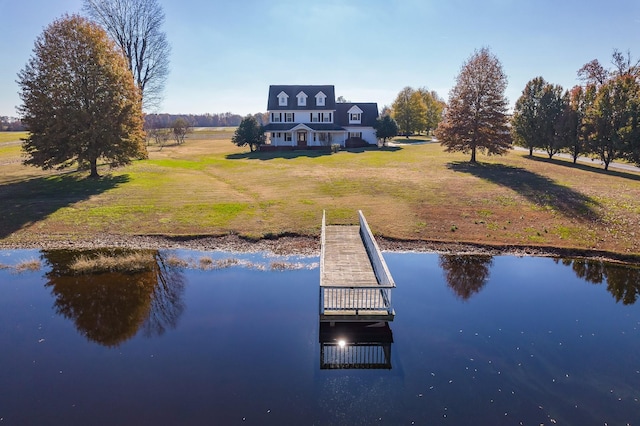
(466, 274)
(623, 281)
(109, 308)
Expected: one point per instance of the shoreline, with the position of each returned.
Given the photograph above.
(308, 246)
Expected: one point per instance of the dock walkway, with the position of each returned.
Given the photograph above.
(355, 283)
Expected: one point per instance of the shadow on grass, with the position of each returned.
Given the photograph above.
(26, 202)
(586, 167)
(538, 189)
(289, 155)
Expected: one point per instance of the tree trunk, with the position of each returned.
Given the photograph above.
(473, 154)
(94, 168)
(530, 151)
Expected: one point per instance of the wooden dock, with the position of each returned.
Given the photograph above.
(355, 283)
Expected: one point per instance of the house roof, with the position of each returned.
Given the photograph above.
(369, 113)
(292, 91)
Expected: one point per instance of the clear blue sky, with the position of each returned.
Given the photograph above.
(226, 53)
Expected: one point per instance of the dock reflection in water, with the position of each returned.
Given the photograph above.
(355, 345)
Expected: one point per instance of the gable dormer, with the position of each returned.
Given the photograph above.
(302, 99)
(283, 99)
(355, 115)
(321, 99)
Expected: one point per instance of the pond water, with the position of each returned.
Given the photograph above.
(236, 339)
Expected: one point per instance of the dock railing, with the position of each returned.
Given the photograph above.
(375, 255)
(361, 300)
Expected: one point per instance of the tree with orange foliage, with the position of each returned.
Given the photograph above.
(476, 116)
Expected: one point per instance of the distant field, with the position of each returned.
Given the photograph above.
(12, 136)
(208, 186)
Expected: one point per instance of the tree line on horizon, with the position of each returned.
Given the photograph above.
(11, 124)
(227, 119)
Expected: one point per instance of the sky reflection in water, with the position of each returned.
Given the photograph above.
(476, 340)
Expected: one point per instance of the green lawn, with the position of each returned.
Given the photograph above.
(415, 192)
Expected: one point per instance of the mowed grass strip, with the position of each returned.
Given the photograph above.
(208, 186)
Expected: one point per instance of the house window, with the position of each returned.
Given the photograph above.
(282, 99)
(322, 137)
(276, 117)
(315, 117)
(355, 135)
(287, 137)
(320, 99)
(288, 117)
(326, 117)
(302, 99)
(355, 115)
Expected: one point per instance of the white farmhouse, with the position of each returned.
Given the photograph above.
(308, 117)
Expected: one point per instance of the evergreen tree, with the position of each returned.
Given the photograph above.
(249, 132)
(386, 127)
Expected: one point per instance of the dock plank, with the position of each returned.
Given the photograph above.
(346, 262)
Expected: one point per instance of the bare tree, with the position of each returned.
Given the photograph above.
(624, 65)
(135, 25)
(160, 136)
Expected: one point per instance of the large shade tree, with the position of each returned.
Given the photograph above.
(79, 100)
(580, 101)
(527, 116)
(434, 106)
(552, 106)
(476, 116)
(409, 111)
(136, 26)
(614, 120)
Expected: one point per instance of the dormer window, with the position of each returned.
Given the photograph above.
(355, 115)
(302, 99)
(282, 99)
(320, 99)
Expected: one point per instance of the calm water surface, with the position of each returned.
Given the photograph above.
(476, 340)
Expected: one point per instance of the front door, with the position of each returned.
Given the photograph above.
(302, 138)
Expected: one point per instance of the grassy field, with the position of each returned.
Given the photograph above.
(411, 192)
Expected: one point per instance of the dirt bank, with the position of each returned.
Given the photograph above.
(305, 246)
